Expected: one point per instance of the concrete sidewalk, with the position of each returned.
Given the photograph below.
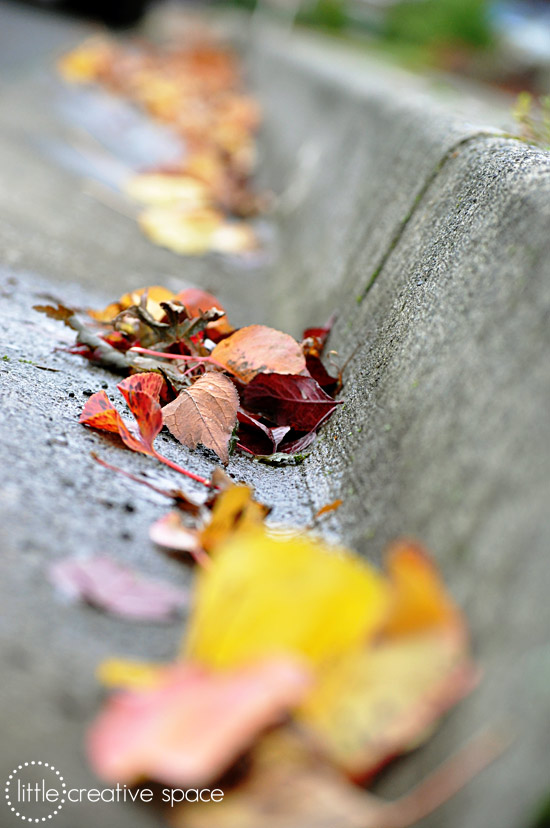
(430, 235)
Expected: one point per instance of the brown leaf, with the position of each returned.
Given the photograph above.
(205, 413)
(259, 349)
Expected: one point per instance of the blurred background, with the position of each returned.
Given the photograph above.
(501, 42)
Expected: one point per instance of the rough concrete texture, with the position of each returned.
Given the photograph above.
(441, 229)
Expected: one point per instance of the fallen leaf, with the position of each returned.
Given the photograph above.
(257, 437)
(130, 675)
(170, 532)
(258, 349)
(116, 589)
(205, 413)
(288, 786)
(198, 301)
(234, 510)
(141, 392)
(384, 699)
(155, 295)
(289, 400)
(189, 727)
(294, 596)
(159, 189)
(187, 232)
(329, 507)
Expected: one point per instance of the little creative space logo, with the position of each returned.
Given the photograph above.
(36, 791)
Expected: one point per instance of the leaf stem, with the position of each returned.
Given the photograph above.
(181, 470)
(197, 359)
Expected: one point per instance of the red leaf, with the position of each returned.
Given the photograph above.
(319, 373)
(190, 727)
(197, 300)
(115, 588)
(290, 400)
(141, 393)
(257, 437)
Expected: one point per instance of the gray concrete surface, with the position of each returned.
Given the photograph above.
(429, 235)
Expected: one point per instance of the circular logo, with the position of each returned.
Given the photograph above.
(35, 791)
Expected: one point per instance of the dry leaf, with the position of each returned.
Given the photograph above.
(205, 413)
(155, 295)
(258, 349)
(190, 726)
(198, 301)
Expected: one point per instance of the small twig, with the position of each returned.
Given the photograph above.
(198, 359)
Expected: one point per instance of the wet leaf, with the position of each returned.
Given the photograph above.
(205, 413)
(189, 727)
(117, 589)
(258, 349)
(289, 400)
(295, 596)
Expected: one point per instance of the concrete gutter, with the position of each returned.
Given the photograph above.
(429, 235)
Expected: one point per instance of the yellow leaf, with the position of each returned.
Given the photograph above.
(124, 673)
(264, 596)
(155, 295)
(85, 63)
(187, 232)
(158, 189)
(377, 702)
(234, 509)
(381, 700)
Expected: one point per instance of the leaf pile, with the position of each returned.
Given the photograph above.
(255, 388)
(305, 658)
(199, 202)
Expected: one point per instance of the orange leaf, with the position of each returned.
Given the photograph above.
(421, 602)
(141, 392)
(259, 349)
(205, 413)
(330, 507)
(189, 727)
(197, 300)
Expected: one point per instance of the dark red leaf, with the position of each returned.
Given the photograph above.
(257, 437)
(289, 400)
(320, 374)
